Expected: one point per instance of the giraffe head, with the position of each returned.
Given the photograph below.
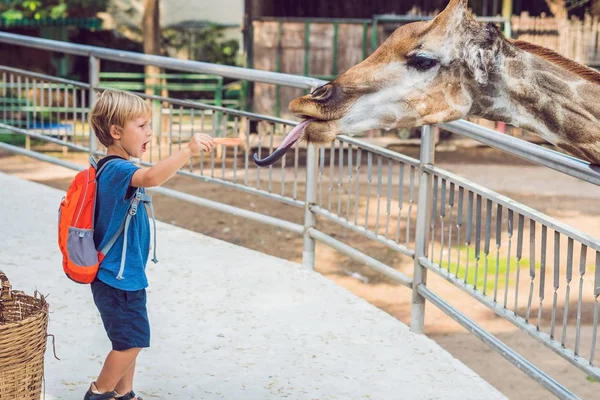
(414, 78)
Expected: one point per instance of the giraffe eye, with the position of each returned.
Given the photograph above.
(421, 63)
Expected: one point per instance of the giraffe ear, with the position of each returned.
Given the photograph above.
(456, 6)
(480, 53)
(458, 3)
(454, 14)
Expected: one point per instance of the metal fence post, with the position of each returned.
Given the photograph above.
(417, 316)
(310, 219)
(94, 81)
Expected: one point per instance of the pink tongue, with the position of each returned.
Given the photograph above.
(285, 145)
(295, 133)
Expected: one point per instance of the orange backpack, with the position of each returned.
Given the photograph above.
(76, 227)
(76, 215)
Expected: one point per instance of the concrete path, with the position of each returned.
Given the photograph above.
(228, 322)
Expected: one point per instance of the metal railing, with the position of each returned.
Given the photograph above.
(526, 267)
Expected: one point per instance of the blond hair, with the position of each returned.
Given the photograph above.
(115, 107)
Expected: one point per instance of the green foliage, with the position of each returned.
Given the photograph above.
(10, 138)
(38, 9)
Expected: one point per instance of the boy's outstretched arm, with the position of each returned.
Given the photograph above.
(163, 170)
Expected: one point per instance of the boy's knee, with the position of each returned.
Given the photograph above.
(132, 350)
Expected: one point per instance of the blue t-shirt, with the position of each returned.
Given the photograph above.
(112, 204)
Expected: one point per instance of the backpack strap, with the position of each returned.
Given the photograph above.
(106, 248)
(99, 171)
(146, 198)
(135, 200)
(139, 196)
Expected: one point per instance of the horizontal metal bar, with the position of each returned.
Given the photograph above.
(42, 157)
(243, 188)
(160, 61)
(531, 152)
(516, 359)
(379, 150)
(44, 77)
(360, 257)
(239, 212)
(204, 106)
(45, 138)
(516, 320)
(528, 212)
(362, 231)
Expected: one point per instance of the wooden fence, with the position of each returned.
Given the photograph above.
(325, 51)
(574, 38)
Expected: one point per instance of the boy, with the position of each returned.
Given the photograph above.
(121, 122)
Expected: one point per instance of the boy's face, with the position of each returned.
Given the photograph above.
(136, 136)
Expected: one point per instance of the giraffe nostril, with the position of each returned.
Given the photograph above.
(322, 93)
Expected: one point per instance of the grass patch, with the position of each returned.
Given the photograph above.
(493, 263)
(478, 268)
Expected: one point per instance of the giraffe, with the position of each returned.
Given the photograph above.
(449, 68)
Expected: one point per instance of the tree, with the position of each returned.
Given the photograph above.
(151, 38)
(151, 29)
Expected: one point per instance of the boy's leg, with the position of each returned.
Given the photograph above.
(116, 366)
(125, 319)
(125, 385)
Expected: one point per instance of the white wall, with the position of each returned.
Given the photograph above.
(221, 11)
(175, 11)
(124, 14)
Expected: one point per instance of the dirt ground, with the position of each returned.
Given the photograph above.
(572, 202)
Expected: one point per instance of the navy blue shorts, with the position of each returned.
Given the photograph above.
(124, 315)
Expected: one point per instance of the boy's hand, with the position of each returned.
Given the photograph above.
(201, 142)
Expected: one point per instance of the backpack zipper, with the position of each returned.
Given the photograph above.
(87, 183)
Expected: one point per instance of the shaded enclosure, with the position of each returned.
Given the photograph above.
(366, 9)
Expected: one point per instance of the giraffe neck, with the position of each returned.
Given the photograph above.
(532, 93)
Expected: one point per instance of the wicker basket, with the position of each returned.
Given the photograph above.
(23, 327)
